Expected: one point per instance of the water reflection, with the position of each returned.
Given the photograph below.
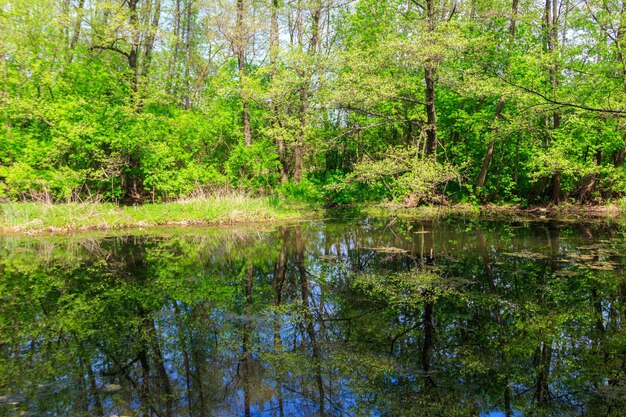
(366, 317)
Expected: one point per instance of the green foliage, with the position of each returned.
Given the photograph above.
(306, 191)
(404, 173)
(22, 181)
(254, 166)
(106, 100)
(348, 193)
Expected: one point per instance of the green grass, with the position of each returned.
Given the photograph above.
(564, 212)
(214, 210)
(422, 212)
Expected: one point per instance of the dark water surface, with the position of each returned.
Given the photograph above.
(337, 318)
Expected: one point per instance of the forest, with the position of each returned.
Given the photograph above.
(337, 101)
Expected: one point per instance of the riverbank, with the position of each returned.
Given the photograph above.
(562, 212)
(230, 209)
(33, 218)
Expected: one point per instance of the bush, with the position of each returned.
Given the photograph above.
(305, 191)
(23, 182)
(255, 166)
(404, 174)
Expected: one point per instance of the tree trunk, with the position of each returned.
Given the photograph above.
(77, 27)
(588, 184)
(431, 113)
(551, 40)
(146, 401)
(620, 156)
(305, 91)
(482, 176)
(274, 50)
(555, 188)
(513, 25)
(188, 37)
(241, 62)
(149, 46)
(133, 55)
(93, 387)
(429, 80)
(173, 64)
(199, 368)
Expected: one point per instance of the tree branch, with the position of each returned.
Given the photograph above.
(562, 103)
(382, 116)
(110, 48)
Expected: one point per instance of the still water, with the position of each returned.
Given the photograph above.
(356, 317)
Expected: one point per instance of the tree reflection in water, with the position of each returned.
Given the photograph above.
(366, 317)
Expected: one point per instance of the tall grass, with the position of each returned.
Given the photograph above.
(221, 208)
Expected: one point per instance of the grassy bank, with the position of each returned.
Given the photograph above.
(228, 209)
(215, 210)
(562, 212)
